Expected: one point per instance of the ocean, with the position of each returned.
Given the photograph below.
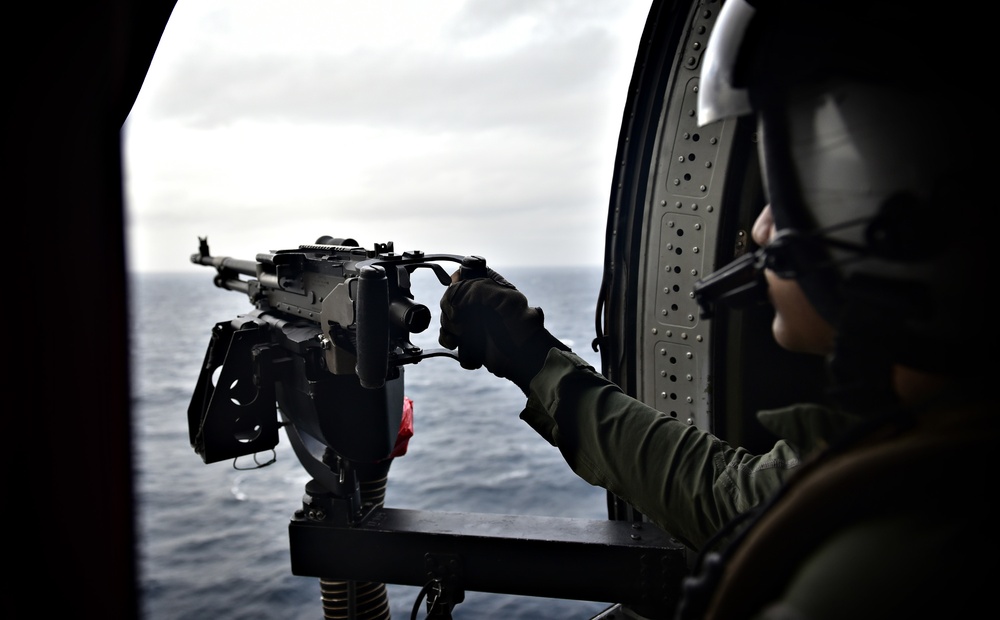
(213, 539)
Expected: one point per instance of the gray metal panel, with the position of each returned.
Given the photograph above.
(680, 230)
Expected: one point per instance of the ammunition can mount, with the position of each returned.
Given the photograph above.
(325, 341)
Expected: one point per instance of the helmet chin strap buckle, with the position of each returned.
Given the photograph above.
(740, 284)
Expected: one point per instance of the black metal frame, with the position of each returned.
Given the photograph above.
(592, 560)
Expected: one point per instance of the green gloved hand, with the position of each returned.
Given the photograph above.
(490, 323)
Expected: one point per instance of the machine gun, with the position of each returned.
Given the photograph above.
(326, 341)
(325, 347)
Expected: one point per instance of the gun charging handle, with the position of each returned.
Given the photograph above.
(373, 333)
(474, 345)
(472, 267)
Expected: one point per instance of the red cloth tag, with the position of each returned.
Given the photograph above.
(405, 429)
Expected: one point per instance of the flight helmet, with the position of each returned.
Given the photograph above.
(863, 169)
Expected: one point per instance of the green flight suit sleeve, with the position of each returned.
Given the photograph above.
(684, 479)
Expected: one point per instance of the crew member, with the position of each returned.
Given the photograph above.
(873, 248)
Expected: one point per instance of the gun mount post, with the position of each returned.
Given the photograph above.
(344, 493)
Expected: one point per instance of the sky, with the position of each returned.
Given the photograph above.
(484, 127)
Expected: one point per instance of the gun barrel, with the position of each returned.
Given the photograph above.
(226, 263)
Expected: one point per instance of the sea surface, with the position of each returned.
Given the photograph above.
(214, 538)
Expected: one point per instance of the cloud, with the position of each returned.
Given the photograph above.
(536, 88)
(448, 126)
(547, 18)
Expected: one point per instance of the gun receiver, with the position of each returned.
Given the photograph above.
(326, 340)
